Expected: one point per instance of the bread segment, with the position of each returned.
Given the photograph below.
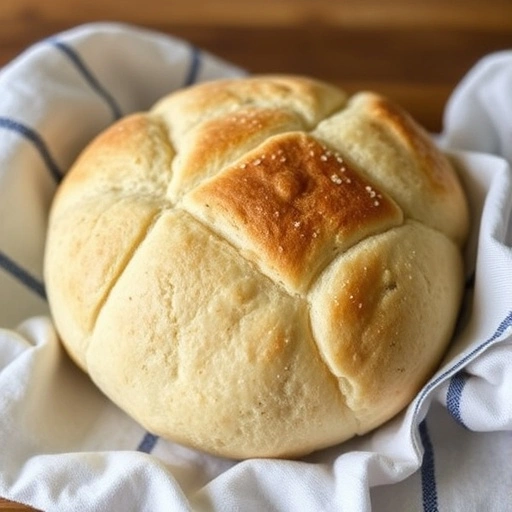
(290, 206)
(381, 313)
(401, 159)
(131, 157)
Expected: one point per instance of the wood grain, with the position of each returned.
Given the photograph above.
(414, 51)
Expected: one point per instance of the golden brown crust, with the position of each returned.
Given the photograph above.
(220, 141)
(257, 267)
(399, 157)
(291, 205)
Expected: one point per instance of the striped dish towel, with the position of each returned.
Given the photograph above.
(65, 447)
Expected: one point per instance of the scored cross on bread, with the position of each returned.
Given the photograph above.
(259, 267)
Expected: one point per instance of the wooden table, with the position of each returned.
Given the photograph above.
(411, 50)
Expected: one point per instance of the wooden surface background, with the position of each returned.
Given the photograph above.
(414, 51)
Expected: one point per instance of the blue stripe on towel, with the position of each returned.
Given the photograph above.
(22, 275)
(32, 136)
(95, 84)
(148, 443)
(505, 324)
(193, 70)
(454, 396)
(428, 476)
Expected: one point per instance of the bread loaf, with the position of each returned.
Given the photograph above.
(259, 267)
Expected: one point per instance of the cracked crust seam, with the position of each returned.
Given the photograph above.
(307, 128)
(126, 261)
(342, 383)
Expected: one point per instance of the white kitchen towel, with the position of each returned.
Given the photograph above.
(65, 447)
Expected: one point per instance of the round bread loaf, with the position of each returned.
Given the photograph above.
(259, 267)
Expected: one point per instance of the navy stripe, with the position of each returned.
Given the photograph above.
(88, 76)
(503, 326)
(32, 136)
(195, 65)
(454, 396)
(148, 443)
(22, 275)
(428, 476)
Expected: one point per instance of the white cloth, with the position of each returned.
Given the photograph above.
(65, 447)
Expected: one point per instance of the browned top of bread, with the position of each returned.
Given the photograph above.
(259, 266)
